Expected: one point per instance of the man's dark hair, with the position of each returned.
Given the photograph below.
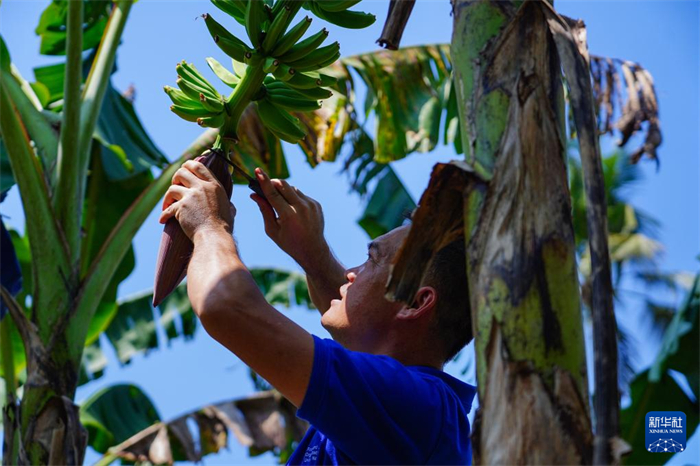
(447, 273)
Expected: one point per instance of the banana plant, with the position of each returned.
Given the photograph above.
(76, 274)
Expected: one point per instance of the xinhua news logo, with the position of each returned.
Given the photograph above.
(665, 431)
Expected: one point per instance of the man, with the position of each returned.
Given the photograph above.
(378, 395)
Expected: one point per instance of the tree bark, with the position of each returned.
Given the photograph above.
(531, 365)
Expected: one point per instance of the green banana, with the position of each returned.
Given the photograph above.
(225, 75)
(193, 90)
(322, 64)
(215, 121)
(239, 68)
(317, 58)
(188, 72)
(234, 8)
(347, 19)
(284, 72)
(180, 98)
(291, 37)
(282, 123)
(337, 5)
(302, 81)
(292, 103)
(276, 29)
(305, 47)
(230, 44)
(189, 113)
(270, 64)
(317, 93)
(213, 105)
(255, 16)
(326, 80)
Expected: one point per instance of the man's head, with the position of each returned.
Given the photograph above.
(364, 320)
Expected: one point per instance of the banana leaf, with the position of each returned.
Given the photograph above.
(388, 207)
(656, 389)
(52, 25)
(124, 424)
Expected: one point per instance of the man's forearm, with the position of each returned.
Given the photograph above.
(234, 312)
(324, 277)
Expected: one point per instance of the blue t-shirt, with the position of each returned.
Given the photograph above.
(369, 409)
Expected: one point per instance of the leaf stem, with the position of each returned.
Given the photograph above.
(8, 362)
(48, 250)
(68, 147)
(71, 185)
(117, 244)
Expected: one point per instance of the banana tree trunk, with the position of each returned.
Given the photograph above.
(531, 366)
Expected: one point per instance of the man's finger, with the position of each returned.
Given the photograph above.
(174, 193)
(184, 177)
(168, 213)
(278, 202)
(201, 171)
(287, 191)
(268, 214)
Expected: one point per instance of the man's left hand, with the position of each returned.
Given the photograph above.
(198, 201)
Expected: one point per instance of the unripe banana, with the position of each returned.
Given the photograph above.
(234, 8)
(290, 103)
(190, 113)
(313, 60)
(291, 37)
(255, 16)
(175, 247)
(215, 121)
(193, 90)
(234, 48)
(191, 74)
(285, 125)
(316, 93)
(284, 72)
(346, 19)
(326, 80)
(227, 42)
(276, 29)
(337, 5)
(180, 98)
(302, 81)
(216, 105)
(271, 65)
(225, 75)
(305, 47)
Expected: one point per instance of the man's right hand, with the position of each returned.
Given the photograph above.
(293, 220)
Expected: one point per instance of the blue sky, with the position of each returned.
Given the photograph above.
(660, 35)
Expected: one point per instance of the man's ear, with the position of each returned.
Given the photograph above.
(423, 305)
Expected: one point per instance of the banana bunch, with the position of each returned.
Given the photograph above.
(196, 100)
(276, 67)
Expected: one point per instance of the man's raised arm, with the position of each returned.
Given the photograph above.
(294, 221)
(223, 293)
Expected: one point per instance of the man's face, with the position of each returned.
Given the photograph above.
(361, 318)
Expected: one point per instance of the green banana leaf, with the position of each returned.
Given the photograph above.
(123, 422)
(132, 328)
(52, 25)
(129, 150)
(655, 389)
(115, 413)
(388, 207)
